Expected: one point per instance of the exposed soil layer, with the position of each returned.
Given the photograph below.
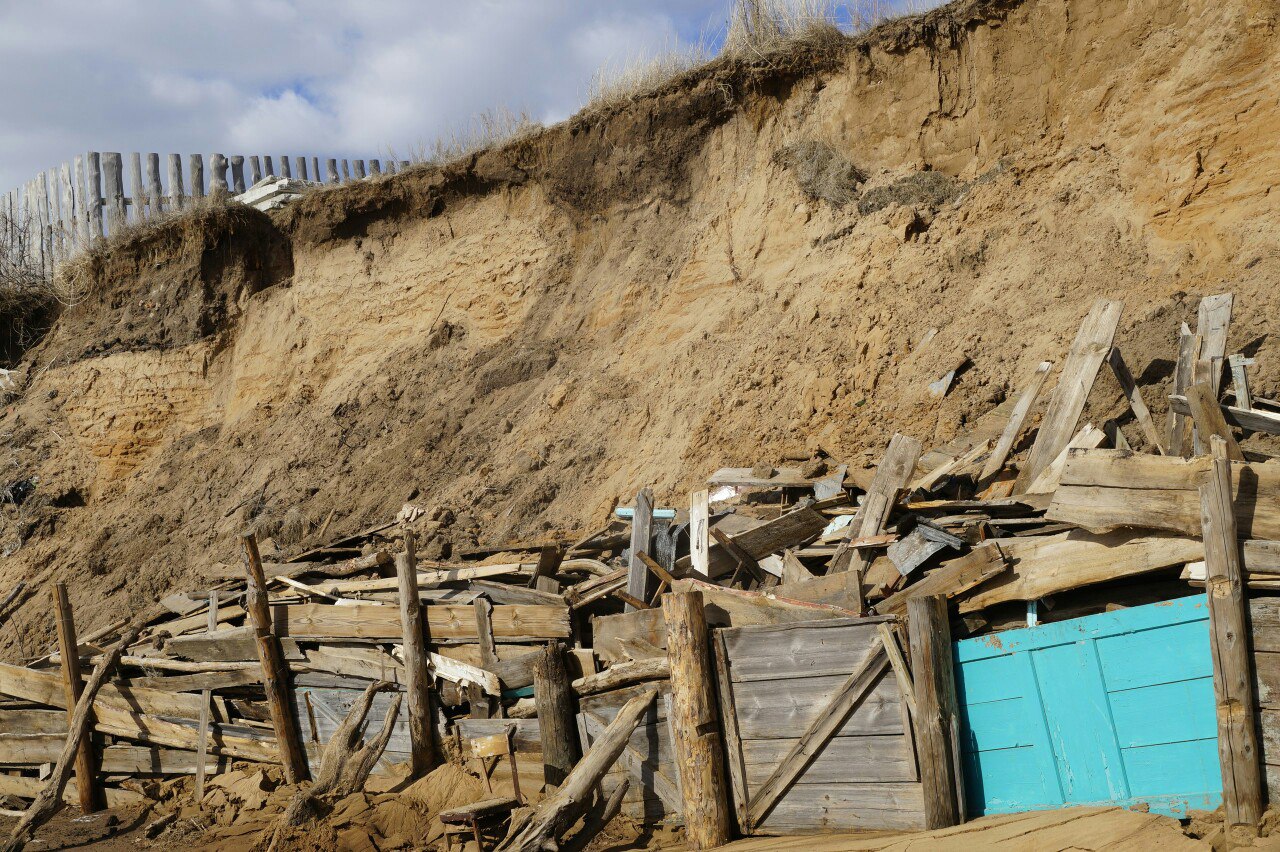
(643, 295)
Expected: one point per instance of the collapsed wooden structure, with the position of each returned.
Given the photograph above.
(785, 654)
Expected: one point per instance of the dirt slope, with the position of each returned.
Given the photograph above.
(645, 295)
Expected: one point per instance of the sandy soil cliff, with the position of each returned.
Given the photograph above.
(642, 295)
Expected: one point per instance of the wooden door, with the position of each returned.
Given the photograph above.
(1116, 708)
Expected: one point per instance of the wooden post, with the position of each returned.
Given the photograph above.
(417, 684)
(359, 167)
(641, 534)
(935, 685)
(1233, 683)
(315, 169)
(255, 169)
(206, 702)
(91, 798)
(301, 163)
(275, 671)
(177, 195)
(695, 724)
(699, 522)
(218, 182)
(285, 171)
(488, 648)
(553, 696)
(268, 167)
(93, 194)
(374, 168)
(237, 174)
(155, 191)
(113, 189)
(137, 190)
(196, 167)
(80, 202)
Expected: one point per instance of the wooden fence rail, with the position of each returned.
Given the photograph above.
(66, 209)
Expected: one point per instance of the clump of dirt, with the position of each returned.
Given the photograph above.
(919, 189)
(822, 172)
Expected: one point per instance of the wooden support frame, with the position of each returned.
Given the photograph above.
(554, 698)
(937, 709)
(413, 629)
(1233, 676)
(88, 791)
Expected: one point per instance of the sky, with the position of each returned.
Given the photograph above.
(340, 78)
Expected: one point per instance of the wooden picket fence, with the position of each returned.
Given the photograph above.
(66, 209)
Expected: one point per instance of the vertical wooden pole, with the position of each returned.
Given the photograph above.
(1242, 789)
(155, 189)
(80, 202)
(113, 190)
(418, 687)
(268, 166)
(695, 722)
(237, 174)
(301, 167)
(274, 670)
(358, 165)
(935, 686)
(136, 189)
(553, 696)
(346, 171)
(67, 225)
(315, 169)
(177, 194)
(195, 166)
(91, 798)
(218, 179)
(255, 169)
(206, 702)
(374, 168)
(488, 647)
(641, 533)
(285, 171)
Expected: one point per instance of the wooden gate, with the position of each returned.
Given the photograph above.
(1115, 708)
(830, 684)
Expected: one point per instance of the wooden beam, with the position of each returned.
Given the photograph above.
(1136, 404)
(91, 799)
(275, 671)
(417, 685)
(694, 722)
(553, 696)
(893, 474)
(206, 701)
(830, 719)
(510, 623)
(900, 671)
(1091, 345)
(1179, 426)
(931, 661)
(1233, 679)
(1252, 419)
(1213, 320)
(1012, 429)
(1208, 419)
(623, 674)
(641, 535)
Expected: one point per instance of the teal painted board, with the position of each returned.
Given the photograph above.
(1115, 708)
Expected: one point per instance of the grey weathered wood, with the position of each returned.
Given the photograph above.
(798, 650)
(113, 190)
(374, 168)
(795, 527)
(177, 192)
(829, 719)
(1009, 436)
(331, 170)
(300, 166)
(218, 174)
(255, 169)
(1208, 420)
(733, 745)
(1091, 345)
(155, 189)
(206, 699)
(1213, 320)
(932, 665)
(1252, 419)
(414, 638)
(346, 170)
(895, 471)
(359, 168)
(883, 805)
(638, 582)
(315, 169)
(868, 759)
(268, 166)
(90, 794)
(1240, 381)
(770, 709)
(195, 169)
(1233, 678)
(137, 189)
(80, 201)
(285, 170)
(1189, 346)
(93, 194)
(67, 225)
(553, 695)
(237, 174)
(1136, 404)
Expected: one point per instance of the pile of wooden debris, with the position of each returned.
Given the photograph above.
(588, 667)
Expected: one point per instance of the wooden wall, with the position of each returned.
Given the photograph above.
(1265, 612)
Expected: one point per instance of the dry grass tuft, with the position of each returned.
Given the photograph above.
(615, 85)
(25, 287)
(489, 129)
(758, 28)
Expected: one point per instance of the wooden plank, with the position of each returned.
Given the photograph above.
(1262, 557)
(1251, 419)
(648, 757)
(1213, 320)
(314, 621)
(789, 530)
(953, 578)
(206, 701)
(829, 719)
(29, 788)
(1045, 565)
(1009, 437)
(931, 661)
(699, 524)
(811, 810)
(236, 644)
(1091, 345)
(799, 650)
(894, 473)
(745, 477)
(1136, 404)
(45, 687)
(1207, 417)
(1088, 438)
(413, 634)
(1233, 678)
(772, 709)
(1179, 426)
(90, 796)
(865, 759)
(734, 758)
(641, 540)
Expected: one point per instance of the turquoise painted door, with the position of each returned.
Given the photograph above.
(1115, 708)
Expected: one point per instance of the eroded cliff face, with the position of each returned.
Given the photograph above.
(643, 296)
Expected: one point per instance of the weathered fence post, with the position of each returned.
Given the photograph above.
(268, 166)
(315, 169)
(933, 669)
(358, 165)
(237, 173)
(218, 175)
(331, 170)
(67, 217)
(155, 190)
(113, 190)
(275, 671)
(136, 191)
(418, 687)
(285, 171)
(195, 163)
(255, 169)
(90, 794)
(374, 168)
(93, 188)
(1242, 788)
(177, 194)
(553, 696)
(695, 722)
(80, 202)
(301, 164)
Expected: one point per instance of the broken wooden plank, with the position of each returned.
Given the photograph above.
(1087, 438)
(1207, 417)
(788, 530)
(1253, 419)
(641, 540)
(1213, 320)
(1091, 345)
(1136, 404)
(953, 578)
(1009, 437)
(893, 474)
(1179, 426)
(315, 621)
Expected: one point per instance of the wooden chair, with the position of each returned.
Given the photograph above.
(489, 812)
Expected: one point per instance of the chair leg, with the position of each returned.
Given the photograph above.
(475, 829)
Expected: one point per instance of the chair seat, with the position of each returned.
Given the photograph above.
(478, 810)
